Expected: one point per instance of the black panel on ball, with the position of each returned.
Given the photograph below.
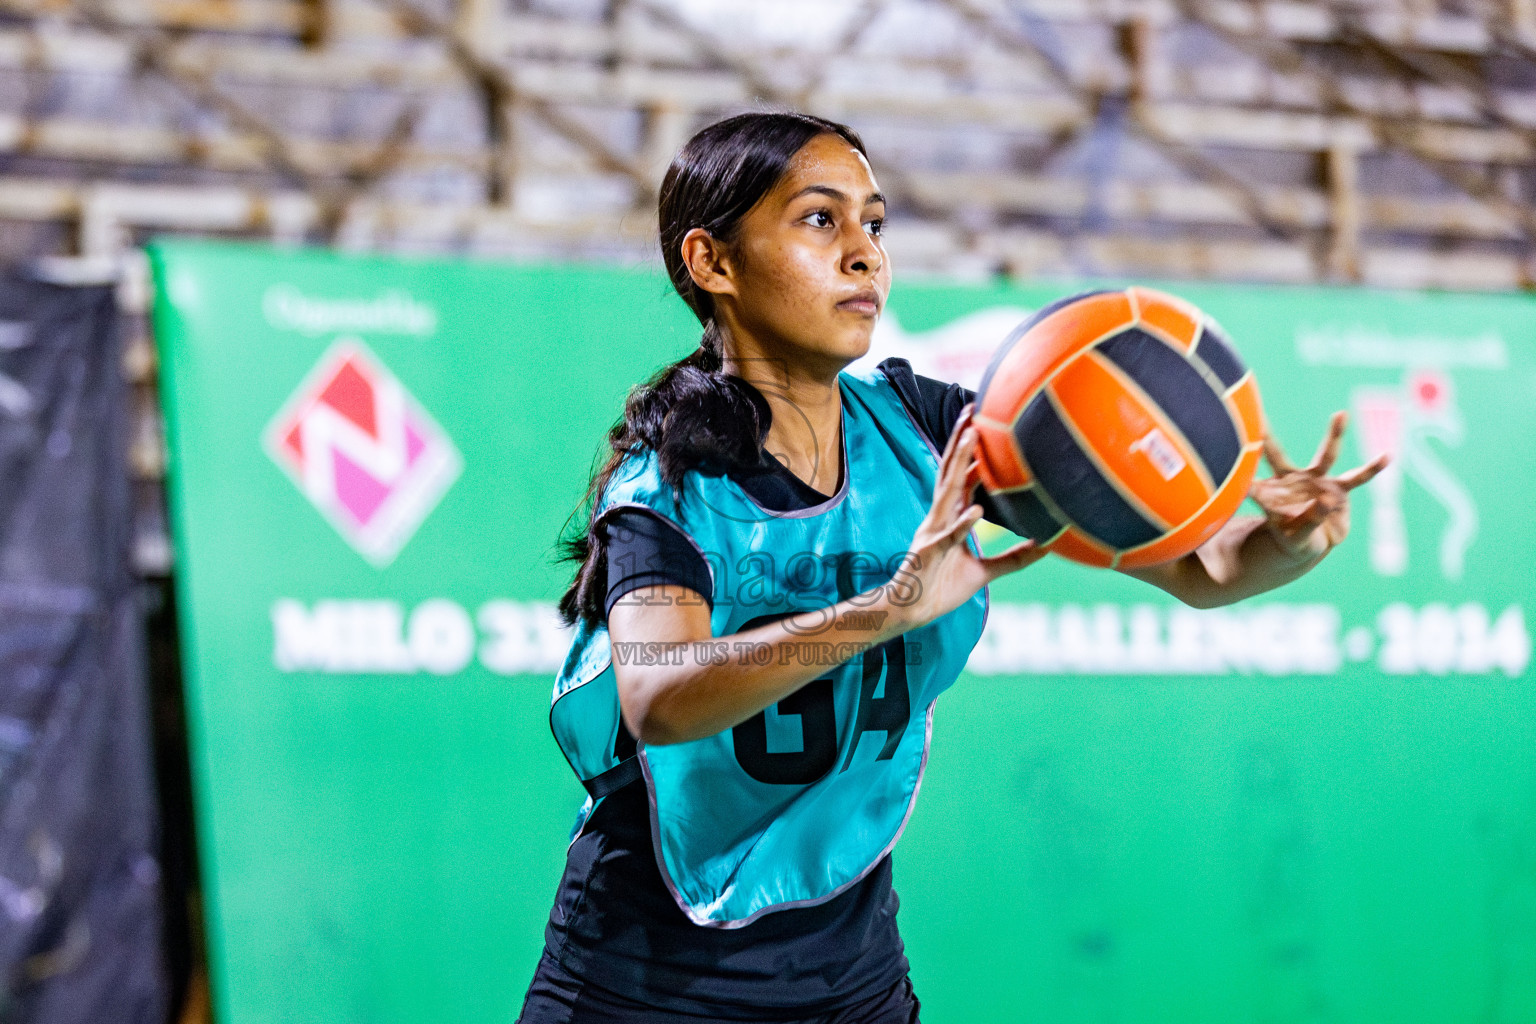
(1074, 482)
(1026, 515)
(1217, 353)
(1182, 393)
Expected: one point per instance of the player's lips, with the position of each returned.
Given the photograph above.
(865, 303)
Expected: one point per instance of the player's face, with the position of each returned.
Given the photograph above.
(810, 266)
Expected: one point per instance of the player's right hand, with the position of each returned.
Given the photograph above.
(942, 570)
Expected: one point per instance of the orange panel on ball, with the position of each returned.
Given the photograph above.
(1002, 467)
(1046, 346)
(1250, 411)
(1135, 446)
(1203, 526)
(1176, 320)
(1080, 547)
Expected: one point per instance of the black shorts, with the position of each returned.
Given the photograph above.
(556, 998)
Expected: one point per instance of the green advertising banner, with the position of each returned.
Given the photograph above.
(1318, 805)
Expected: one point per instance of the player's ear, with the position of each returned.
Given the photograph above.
(709, 262)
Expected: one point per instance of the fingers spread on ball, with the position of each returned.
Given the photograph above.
(1328, 450)
(963, 525)
(1276, 457)
(951, 491)
(1364, 474)
(1015, 558)
(1310, 516)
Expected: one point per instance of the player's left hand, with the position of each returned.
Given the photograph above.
(1308, 510)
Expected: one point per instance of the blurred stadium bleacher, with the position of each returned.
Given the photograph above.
(1387, 142)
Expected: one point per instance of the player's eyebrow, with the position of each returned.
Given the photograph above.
(836, 194)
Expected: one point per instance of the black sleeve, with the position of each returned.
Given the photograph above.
(645, 550)
(935, 406)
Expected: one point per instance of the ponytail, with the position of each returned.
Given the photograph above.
(693, 415)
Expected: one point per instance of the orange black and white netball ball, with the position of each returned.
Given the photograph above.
(1118, 428)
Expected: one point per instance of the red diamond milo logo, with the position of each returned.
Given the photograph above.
(363, 451)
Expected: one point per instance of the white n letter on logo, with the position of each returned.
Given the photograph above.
(324, 430)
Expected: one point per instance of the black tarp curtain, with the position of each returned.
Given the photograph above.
(80, 933)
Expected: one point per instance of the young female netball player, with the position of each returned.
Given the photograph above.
(760, 637)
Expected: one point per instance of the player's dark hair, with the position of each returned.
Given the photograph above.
(692, 414)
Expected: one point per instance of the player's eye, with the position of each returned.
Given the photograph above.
(819, 218)
(875, 226)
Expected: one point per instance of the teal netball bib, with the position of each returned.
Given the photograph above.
(801, 800)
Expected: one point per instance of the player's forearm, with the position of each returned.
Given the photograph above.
(1243, 560)
(701, 687)
(1247, 559)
